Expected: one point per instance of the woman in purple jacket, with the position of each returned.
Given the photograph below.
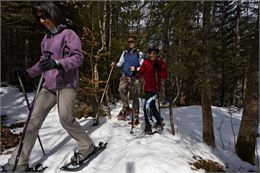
(61, 74)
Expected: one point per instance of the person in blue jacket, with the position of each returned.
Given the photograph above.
(131, 61)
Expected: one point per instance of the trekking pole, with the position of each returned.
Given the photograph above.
(132, 116)
(96, 120)
(29, 117)
(29, 107)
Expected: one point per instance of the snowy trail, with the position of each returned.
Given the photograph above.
(128, 153)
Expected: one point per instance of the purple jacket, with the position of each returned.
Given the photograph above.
(66, 48)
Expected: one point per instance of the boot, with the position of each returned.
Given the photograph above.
(136, 116)
(80, 155)
(19, 168)
(159, 126)
(136, 121)
(124, 113)
(148, 130)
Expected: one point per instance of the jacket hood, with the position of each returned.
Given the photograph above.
(56, 30)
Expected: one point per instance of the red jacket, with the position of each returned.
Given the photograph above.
(147, 70)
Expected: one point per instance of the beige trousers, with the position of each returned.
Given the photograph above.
(124, 87)
(65, 99)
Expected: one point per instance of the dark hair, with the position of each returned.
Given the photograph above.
(153, 48)
(48, 9)
(133, 37)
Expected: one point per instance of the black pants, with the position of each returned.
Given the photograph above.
(150, 109)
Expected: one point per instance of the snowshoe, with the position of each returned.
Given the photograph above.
(158, 127)
(19, 168)
(148, 130)
(23, 168)
(136, 122)
(37, 168)
(77, 159)
(80, 162)
(124, 113)
(122, 117)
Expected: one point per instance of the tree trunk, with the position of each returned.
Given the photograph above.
(237, 81)
(246, 141)
(103, 33)
(110, 29)
(208, 132)
(237, 31)
(165, 54)
(223, 53)
(173, 100)
(102, 26)
(92, 45)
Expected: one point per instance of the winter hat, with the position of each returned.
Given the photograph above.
(153, 48)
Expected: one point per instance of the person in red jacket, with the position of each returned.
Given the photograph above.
(153, 70)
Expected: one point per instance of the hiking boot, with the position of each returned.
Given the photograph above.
(122, 117)
(124, 113)
(136, 122)
(148, 130)
(19, 168)
(81, 154)
(159, 126)
(161, 119)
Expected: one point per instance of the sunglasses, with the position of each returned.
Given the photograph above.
(131, 41)
(38, 18)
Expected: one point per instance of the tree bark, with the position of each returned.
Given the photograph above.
(208, 132)
(237, 81)
(102, 26)
(246, 141)
(110, 29)
(92, 45)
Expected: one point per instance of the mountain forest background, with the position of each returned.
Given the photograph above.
(211, 49)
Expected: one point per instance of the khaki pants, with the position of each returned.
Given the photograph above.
(44, 103)
(124, 86)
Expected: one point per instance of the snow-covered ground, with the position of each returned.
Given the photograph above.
(126, 153)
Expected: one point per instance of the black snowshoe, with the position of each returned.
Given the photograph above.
(158, 127)
(80, 162)
(37, 168)
(124, 113)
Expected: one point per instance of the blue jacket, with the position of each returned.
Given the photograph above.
(130, 58)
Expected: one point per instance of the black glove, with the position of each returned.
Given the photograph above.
(47, 64)
(156, 67)
(21, 72)
(134, 73)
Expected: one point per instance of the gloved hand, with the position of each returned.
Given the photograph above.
(156, 67)
(134, 73)
(48, 64)
(113, 64)
(21, 72)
